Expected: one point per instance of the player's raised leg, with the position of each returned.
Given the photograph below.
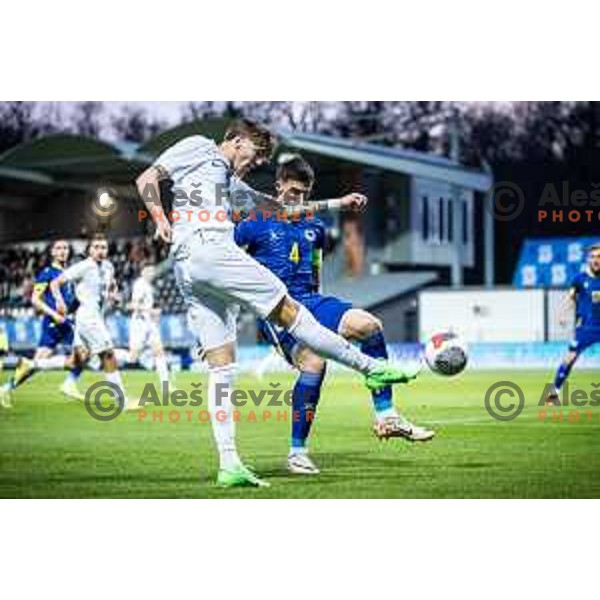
(298, 320)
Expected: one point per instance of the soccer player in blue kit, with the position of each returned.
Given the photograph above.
(57, 329)
(584, 296)
(292, 250)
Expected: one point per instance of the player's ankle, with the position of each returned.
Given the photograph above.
(386, 413)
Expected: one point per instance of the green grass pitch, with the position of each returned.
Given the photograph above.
(52, 448)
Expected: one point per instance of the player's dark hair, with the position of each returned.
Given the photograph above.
(98, 236)
(593, 247)
(47, 257)
(263, 139)
(295, 168)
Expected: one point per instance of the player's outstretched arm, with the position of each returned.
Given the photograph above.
(55, 285)
(246, 198)
(353, 202)
(40, 306)
(148, 186)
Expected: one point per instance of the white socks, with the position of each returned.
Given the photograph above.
(328, 344)
(115, 377)
(162, 368)
(386, 413)
(50, 363)
(123, 357)
(220, 386)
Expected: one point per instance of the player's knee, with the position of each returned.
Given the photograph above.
(360, 324)
(80, 355)
(108, 360)
(570, 358)
(309, 362)
(372, 325)
(220, 357)
(285, 313)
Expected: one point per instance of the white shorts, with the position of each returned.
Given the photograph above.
(143, 333)
(91, 332)
(216, 277)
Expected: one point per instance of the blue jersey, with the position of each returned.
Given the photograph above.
(42, 286)
(587, 297)
(291, 249)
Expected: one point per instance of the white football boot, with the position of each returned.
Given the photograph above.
(299, 463)
(392, 427)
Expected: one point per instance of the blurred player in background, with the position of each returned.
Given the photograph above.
(95, 288)
(4, 346)
(144, 331)
(584, 297)
(293, 251)
(216, 277)
(5, 400)
(57, 328)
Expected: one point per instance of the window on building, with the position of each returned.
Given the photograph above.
(442, 219)
(450, 209)
(465, 222)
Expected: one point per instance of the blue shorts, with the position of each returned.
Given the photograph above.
(327, 310)
(54, 335)
(584, 338)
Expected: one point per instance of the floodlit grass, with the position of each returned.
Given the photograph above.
(52, 448)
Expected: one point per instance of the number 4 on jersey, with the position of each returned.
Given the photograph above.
(295, 253)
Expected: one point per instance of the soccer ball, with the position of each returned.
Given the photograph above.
(446, 354)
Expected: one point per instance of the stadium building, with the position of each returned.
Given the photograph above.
(424, 224)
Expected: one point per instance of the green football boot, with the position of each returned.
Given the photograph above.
(239, 476)
(389, 374)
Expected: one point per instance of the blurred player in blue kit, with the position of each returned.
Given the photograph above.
(57, 329)
(584, 297)
(292, 249)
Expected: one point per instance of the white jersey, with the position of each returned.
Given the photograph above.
(92, 282)
(142, 297)
(202, 182)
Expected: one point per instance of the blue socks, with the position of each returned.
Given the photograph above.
(375, 346)
(561, 375)
(305, 398)
(74, 373)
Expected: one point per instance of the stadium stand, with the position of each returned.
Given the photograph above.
(18, 265)
(550, 262)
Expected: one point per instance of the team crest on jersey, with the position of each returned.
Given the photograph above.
(310, 235)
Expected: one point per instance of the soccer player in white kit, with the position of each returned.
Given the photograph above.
(216, 277)
(95, 287)
(144, 329)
